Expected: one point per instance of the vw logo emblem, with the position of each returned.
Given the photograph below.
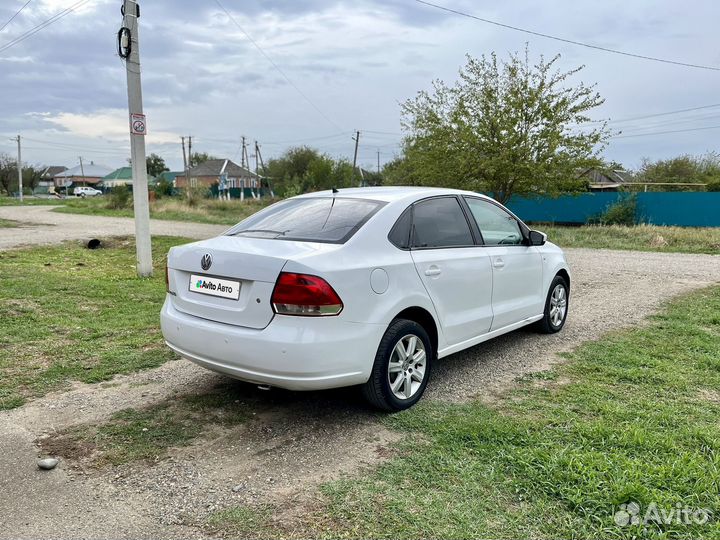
(206, 261)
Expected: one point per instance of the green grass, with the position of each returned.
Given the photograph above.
(205, 211)
(28, 201)
(630, 422)
(639, 238)
(73, 314)
(8, 223)
(630, 418)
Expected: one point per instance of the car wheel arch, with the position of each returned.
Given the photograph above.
(425, 319)
(565, 275)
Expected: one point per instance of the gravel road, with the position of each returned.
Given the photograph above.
(40, 225)
(294, 441)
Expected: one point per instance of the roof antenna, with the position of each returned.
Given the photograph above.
(334, 191)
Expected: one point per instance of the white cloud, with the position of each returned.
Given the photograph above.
(112, 125)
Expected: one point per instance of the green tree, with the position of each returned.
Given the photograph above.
(505, 127)
(400, 172)
(302, 169)
(155, 165)
(8, 173)
(196, 158)
(703, 169)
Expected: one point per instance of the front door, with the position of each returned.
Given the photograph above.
(454, 270)
(517, 268)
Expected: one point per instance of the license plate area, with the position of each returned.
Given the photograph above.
(213, 286)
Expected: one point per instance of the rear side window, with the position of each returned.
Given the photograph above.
(312, 219)
(400, 233)
(440, 223)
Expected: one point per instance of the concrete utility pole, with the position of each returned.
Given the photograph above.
(378, 154)
(82, 170)
(357, 143)
(185, 163)
(242, 156)
(131, 13)
(19, 168)
(262, 165)
(258, 184)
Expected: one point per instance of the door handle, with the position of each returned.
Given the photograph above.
(498, 262)
(433, 271)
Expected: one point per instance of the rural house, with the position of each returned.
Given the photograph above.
(86, 174)
(119, 177)
(48, 173)
(606, 179)
(209, 173)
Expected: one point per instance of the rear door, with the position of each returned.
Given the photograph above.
(517, 268)
(454, 270)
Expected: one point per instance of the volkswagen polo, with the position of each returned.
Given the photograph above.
(366, 286)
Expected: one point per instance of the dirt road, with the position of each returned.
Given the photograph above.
(40, 225)
(293, 441)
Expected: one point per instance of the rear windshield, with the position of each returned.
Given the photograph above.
(313, 219)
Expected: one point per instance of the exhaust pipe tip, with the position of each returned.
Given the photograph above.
(264, 387)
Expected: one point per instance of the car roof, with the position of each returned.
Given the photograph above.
(392, 193)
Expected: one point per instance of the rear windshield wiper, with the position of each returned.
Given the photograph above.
(262, 231)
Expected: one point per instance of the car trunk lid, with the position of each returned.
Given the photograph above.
(252, 264)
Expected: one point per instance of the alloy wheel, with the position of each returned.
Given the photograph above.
(407, 366)
(558, 305)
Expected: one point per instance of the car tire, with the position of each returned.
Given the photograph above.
(558, 298)
(389, 384)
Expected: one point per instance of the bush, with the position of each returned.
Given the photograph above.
(621, 212)
(164, 188)
(119, 198)
(713, 186)
(194, 195)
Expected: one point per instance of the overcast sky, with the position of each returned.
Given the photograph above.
(63, 89)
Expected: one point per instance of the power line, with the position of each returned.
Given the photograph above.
(16, 14)
(564, 40)
(667, 113)
(66, 146)
(277, 68)
(320, 138)
(664, 132)
(43, 25)
(382, 132)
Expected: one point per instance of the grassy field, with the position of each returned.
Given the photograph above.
(29, 201)
(639, 238)
(177, 209)
(628, 420)
(73, 314)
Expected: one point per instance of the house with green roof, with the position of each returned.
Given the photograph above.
(119, 177)
(123, 177)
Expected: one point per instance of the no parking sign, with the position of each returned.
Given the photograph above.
(137, 124)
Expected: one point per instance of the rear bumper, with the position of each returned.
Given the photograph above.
(297, 353)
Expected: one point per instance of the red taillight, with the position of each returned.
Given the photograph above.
(167, 278)
(302, 294)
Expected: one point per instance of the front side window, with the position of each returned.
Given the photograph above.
(310, 219)
(440, 223)
(496, 225)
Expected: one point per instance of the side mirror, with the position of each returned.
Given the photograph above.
(537, 238)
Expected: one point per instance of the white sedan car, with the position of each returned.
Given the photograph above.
(365, 286)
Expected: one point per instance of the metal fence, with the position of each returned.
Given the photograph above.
(685, 209)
